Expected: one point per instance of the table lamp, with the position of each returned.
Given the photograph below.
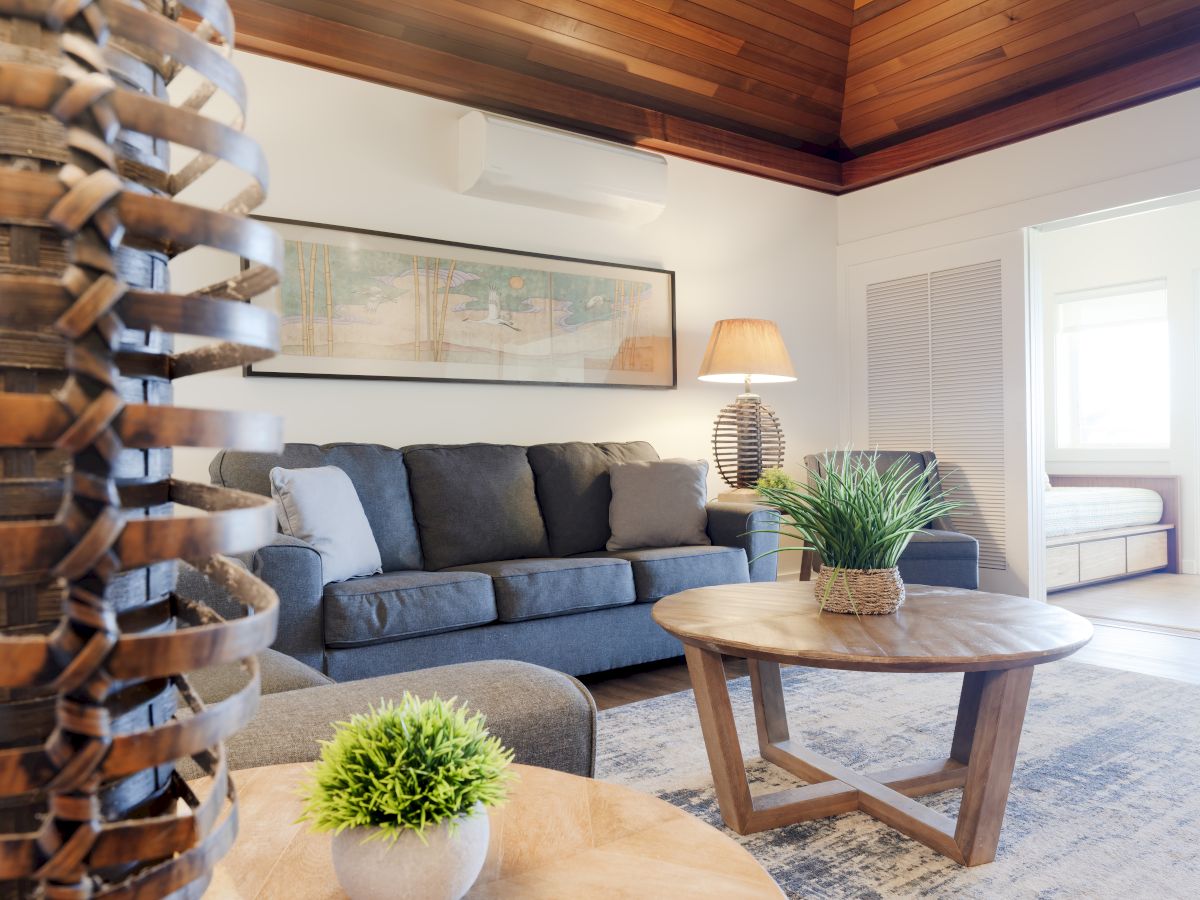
(747, 437)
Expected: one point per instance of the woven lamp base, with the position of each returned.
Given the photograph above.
(864, 592)
(747, 440)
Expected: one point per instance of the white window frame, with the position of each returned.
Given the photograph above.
(1078, 451)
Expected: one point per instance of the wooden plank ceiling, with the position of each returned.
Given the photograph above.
(831, 94)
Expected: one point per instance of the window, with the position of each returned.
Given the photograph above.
(1112, 369)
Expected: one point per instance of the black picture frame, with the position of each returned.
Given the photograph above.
(249, 371)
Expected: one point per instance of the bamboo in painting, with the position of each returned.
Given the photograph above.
(368, 305)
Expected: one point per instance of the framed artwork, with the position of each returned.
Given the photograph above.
(364, 304)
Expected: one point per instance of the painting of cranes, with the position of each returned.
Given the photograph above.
(360, 304)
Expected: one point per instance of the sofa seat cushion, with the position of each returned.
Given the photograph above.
(475, 503)
(399, 605)
(933, 543)
(660, 571)
(539, 588)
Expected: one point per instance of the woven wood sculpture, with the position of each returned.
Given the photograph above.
(95, 708)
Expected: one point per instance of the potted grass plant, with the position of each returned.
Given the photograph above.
(858, 520)
(404, 789)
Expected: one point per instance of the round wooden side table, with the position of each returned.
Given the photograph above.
(558, 836)
(996, 640)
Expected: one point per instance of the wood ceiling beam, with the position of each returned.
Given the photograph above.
(1139, 82)
(280, 32)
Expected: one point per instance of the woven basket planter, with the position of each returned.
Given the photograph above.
(865, 592)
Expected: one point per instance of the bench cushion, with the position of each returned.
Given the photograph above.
(540, 588)
(573, 490)
(475, 503)
(660, 571)
(400, 605)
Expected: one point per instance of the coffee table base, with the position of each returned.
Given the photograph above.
(983, 752)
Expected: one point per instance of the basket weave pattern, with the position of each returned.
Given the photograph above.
(867, 592)
(94, 642)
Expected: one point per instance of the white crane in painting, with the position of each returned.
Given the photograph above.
(494, 316)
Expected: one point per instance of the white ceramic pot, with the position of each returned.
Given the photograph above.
(442, 868)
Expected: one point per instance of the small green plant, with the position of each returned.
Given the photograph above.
(853, 515)
(775, 479)
(406, 767)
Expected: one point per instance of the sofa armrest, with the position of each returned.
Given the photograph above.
(546, 717)
(293, 568)
(740, 525)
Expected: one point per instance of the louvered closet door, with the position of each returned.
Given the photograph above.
(898, 364)
(967, 396)
(935, 380)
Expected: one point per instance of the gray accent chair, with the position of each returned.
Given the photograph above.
(937, 555)
(489, 552)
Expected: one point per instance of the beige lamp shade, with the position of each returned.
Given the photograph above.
(746, 350)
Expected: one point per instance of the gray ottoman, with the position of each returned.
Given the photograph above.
(547, 718)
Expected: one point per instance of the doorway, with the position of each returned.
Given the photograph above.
(1115, 329)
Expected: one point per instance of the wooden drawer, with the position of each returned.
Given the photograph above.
(1146, 551)
(1062, 565)
(1101, 559)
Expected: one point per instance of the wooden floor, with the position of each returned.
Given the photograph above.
(1160, 601)
(1135, 649)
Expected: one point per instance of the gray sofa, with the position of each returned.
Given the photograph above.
(489, 552)
(937, 554)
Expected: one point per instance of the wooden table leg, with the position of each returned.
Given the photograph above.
(720, 736)
(991, 711)
(770, 716)
(968, 712)
(999, 699)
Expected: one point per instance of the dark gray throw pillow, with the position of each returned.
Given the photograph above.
(658, 504)
(573, 490)
(474, 503)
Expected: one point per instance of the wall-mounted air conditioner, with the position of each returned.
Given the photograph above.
(503, 159)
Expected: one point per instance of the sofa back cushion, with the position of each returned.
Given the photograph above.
(378, 474)
(574, 493)
(475, 503)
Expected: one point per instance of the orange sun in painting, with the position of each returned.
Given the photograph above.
(516, 282)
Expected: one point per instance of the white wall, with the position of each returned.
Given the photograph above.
(1148, 152)
(1162, 244)
(346, 152)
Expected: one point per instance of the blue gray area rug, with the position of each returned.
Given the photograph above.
(1105, 800)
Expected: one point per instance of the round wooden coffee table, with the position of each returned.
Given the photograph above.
(994, 639)
(558, 836)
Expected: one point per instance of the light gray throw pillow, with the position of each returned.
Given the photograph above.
(658, 503)
(320, 507)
